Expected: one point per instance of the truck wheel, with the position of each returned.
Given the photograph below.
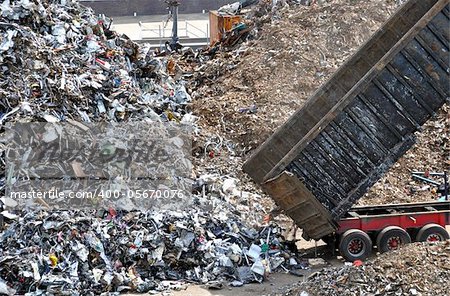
(432, 233)
(391, 238)
(355, 245)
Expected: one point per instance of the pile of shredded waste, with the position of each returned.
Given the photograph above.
(59, 62)
(415, 269)
(241, 95)
(431, 153)
(88, 253)
(244, 94)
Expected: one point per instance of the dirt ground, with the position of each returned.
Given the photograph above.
(275, 283)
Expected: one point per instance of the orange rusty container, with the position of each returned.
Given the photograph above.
(219, 24)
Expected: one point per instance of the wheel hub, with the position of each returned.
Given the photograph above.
(356, 247)
(434, 237)
(394, 242)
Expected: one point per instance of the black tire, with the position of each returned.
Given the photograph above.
(391, 238)
(355, 245)
(432, 232)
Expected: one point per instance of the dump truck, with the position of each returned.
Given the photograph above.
(354, 128)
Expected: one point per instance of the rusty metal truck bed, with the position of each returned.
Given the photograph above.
(356, 126)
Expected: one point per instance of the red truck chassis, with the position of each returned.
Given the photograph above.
(389, 226)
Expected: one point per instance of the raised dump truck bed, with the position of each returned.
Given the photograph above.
(351, 131)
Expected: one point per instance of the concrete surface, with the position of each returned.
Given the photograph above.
(276, 282)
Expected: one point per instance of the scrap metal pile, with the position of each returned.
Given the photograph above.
(430, 154)
(59, 62)
(415, 269)
(78, 253)
(291, 50)
(111, 251)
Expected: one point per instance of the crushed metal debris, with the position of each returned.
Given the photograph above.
(415, 269)
(59, 62)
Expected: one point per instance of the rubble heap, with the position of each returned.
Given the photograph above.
(415, 269)
(290, 52)
(115, 251)
(430, 153)
(58, 61)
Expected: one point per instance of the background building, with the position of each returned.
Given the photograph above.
(150, 7)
